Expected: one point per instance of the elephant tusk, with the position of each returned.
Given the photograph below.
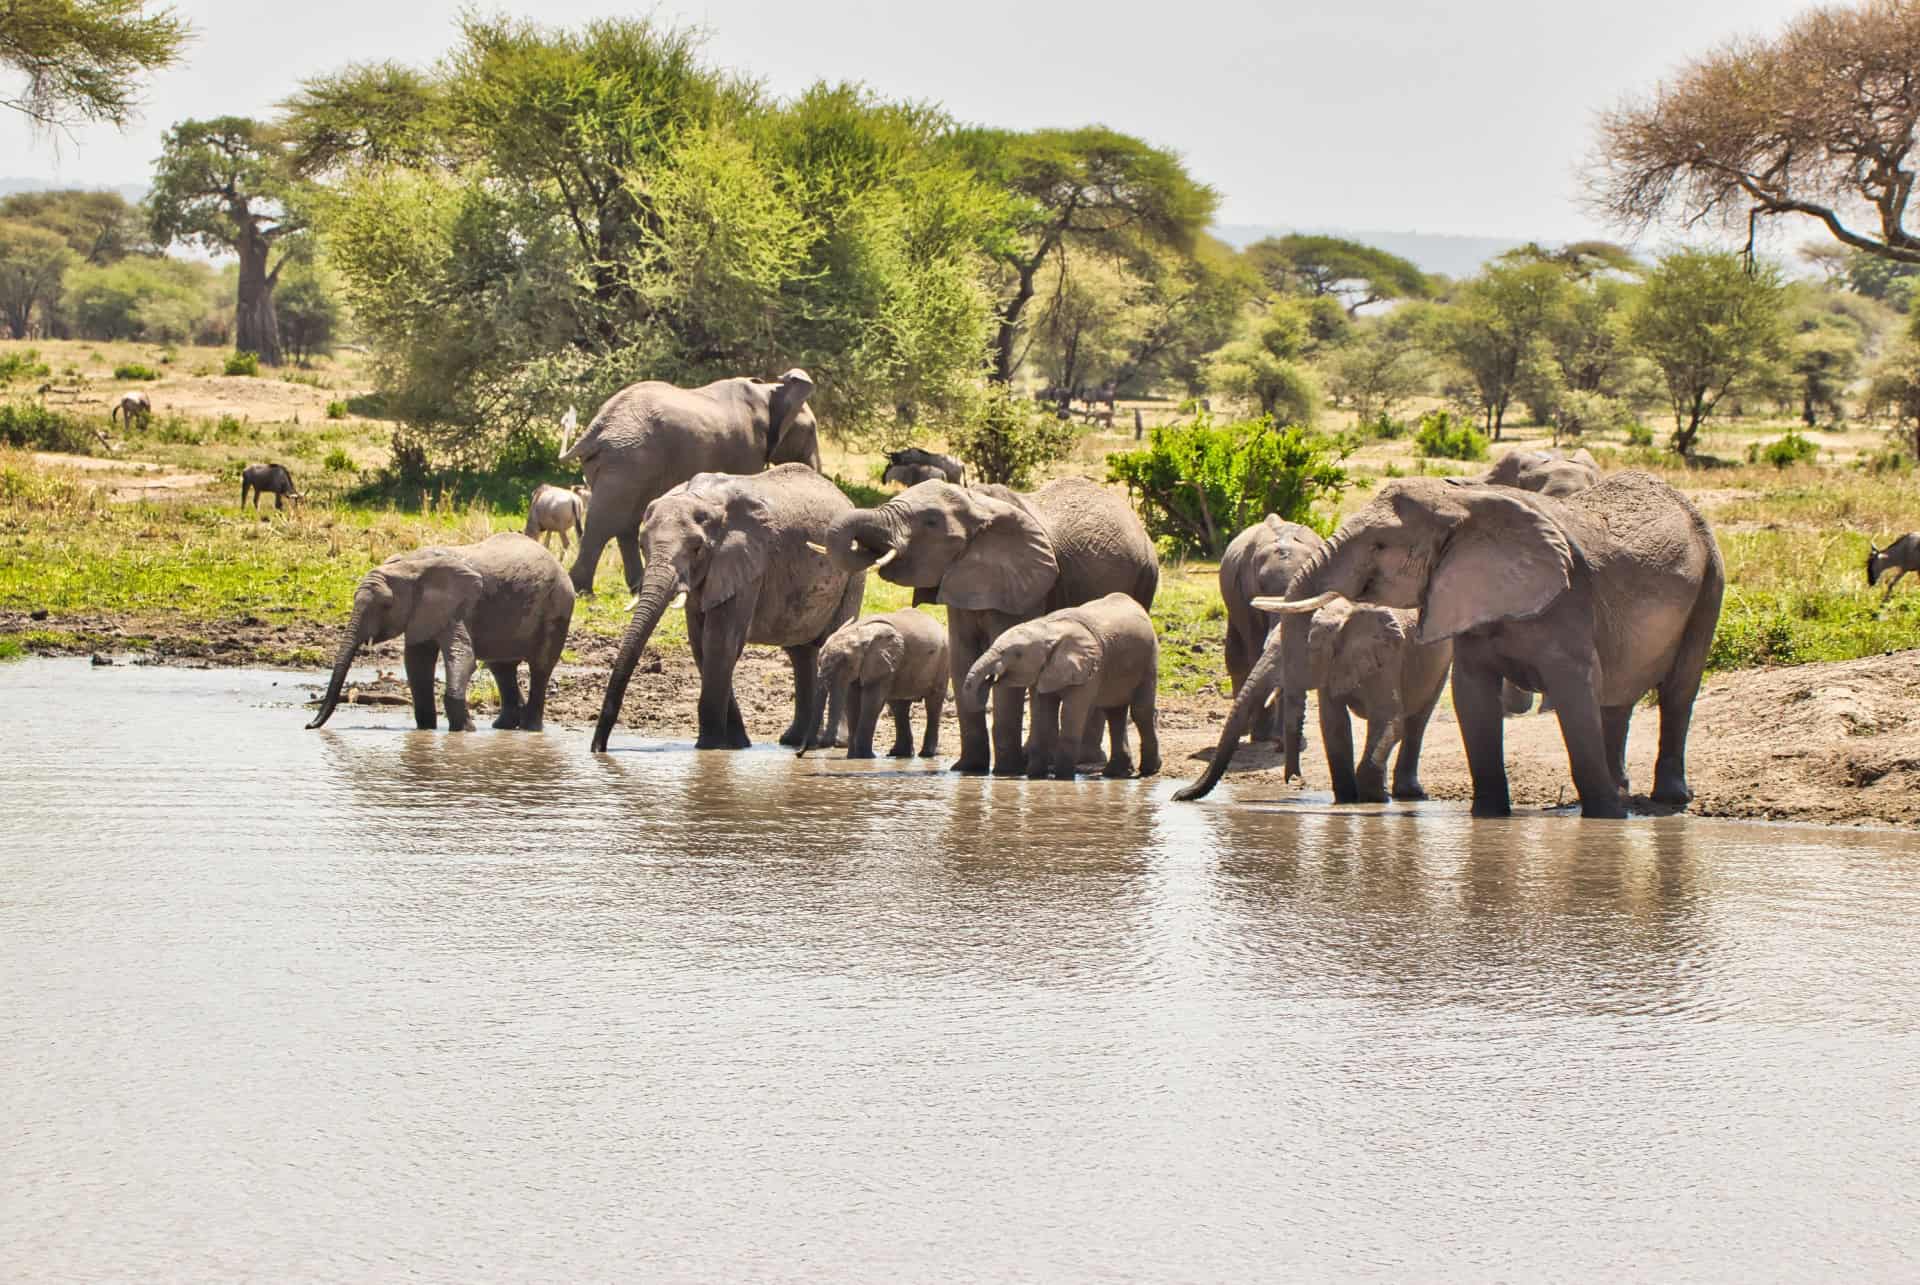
(817, 548)
(885, 558)
(632, 603)
(1289, 606)
(679, 601)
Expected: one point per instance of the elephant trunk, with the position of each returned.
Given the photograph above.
(342, 660)
(864, 538)
(1260, 683)
(980, 679)
(656, 592)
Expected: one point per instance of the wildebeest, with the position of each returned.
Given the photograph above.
(267, 479)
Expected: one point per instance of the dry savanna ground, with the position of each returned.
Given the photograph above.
(140, 552)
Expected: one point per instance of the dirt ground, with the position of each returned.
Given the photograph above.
(1831, 743)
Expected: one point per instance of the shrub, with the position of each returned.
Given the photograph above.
(867, 497)
(22, 365)
(1783, 451)
(1441, 436)
(1639, 434)
(31, 426)
(1003, 440)
(337, 461)
(336, 409)
(242, 363)
(1577, 412)
(1889, 459)
(134, 370)
(1382, 427)
(1200, 483)
(177, 430)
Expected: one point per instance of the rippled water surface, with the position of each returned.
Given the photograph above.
(370, 1002)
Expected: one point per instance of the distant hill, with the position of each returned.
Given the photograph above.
(1455, 256)
(134, 192)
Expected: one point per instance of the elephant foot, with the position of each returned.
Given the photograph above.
(1411, 792)
(509, 721)
(793, 738)
(969, 769)
(1491, 808)
(1674, 792)
(930, 750)
(1038, 772)
(1117, 769)
(901, 750)
(705, 742)
(533, 725)
(1373, 794)
(1603, 810)
(855, 752)
(1149, 766)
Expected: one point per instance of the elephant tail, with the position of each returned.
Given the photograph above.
(1261, 681)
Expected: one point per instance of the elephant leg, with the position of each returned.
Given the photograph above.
(872, 700)
(458, 651)
(1293, 731)
(506, 676)
(533, 716)
(1239, 664)
(422, 657)
(717, 652)
(1476, 703)
(1009, 715)
(1336, 740)
(930, 741)
(1089, 754)
(593, 542)
(806, 672)
(1119, 757)
(964, 647)
(856, 701)
(1577, 706)
(1677, 694)
(1370, 777)
(1146, 721)
(902, 729)
(1076, 716)
(848, 609)
(1614, 722)
(1406, 763)
(1046, 736)
(630, 561)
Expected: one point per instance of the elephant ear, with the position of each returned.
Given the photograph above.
(1371, 641)
(1008, 564)
(1506, 560)
(787, 399)
(885, 650)
(739, 560)
(445, 587)
(1074, 660)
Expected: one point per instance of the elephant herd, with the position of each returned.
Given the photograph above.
(1538, 577)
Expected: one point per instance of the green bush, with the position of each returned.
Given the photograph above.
(1783, 452)
(337, 461)
(1889, 459)
(1639, 434)
(1382, 427)
(242, 363)
(1441, 436)
(867, 497)
(177, 430)
(336, 409)
(1003, 439)
(1201, 483)
(31, 426)
(134, 370)
(22, 365)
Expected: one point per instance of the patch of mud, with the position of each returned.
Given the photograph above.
(126, 481)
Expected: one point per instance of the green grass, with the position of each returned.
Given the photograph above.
(241, 363)
(134, 370)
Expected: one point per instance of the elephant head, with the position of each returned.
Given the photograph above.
(977, 549)
(708, 539)
(1045, 656)
(421, 595)
(1464, 555)
(792, 432)
(1548, 472)
(860, 651)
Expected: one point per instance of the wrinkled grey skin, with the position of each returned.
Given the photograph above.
(885, 662)
(1594, 600)
(738, 547)
(129, 407)
(1359, 659)
(911, 465)
(650, 437)
(1903, 555)
(1081, 664)
(499, 602)
(996, 558)
(1555, 473)
(1263, 560)
(553, 509)
(267, 479)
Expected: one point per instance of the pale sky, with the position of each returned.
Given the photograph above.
(1467, 117)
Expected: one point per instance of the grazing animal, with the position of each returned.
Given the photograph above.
(131, 406)
(891, 661)
(1903, 555)
(553, 509)
(911, 465)
(268, 479)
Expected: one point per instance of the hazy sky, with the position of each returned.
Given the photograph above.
(1466, 117)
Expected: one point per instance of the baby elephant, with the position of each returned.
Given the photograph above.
(1100, 658)
(1357, 657)
(267, 479)
(892, 661)
(555, 508)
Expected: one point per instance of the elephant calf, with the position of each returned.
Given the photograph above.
(1360, 658)
(502, 601)
(1098, 658)
(553, 509)
(892, 661)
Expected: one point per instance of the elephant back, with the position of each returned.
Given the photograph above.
(1098, 541)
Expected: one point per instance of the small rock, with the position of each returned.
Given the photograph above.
(38, 613)
(98, 659)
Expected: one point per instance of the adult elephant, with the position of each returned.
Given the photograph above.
(1553, 473)
(650, 437)
(1594, 600)
(744, 551)
(994, 558)
(1263, 560)
(911, 465)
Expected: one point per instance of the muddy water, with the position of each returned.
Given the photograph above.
(371, 1003)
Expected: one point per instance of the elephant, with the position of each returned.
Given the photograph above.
(1553, 473)
(650, 437)
(1101, 658)
(131, 406)
(1595, 600)
(1359, 658)
(886, 661)
(268, 479)
(744, 550)
(911, 465)
(555, 508)
(996, 558)
(1263, 559)
(498, 602)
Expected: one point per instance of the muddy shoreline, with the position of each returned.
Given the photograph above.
(1835, 743)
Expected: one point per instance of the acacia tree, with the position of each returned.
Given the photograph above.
(1708, 323)
(1499, 323)
(100, 227)
(32, 262)
(1818, 121)
(1355, 274)
(226, 184)
(81, 59)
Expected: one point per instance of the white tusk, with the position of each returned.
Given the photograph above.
(817, 548)
(679, 601)
(633, 602)
(1287, 606)
(885, 558)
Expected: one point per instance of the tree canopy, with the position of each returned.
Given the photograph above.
(1355, 274)
(81, 59)
(1707, 322)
